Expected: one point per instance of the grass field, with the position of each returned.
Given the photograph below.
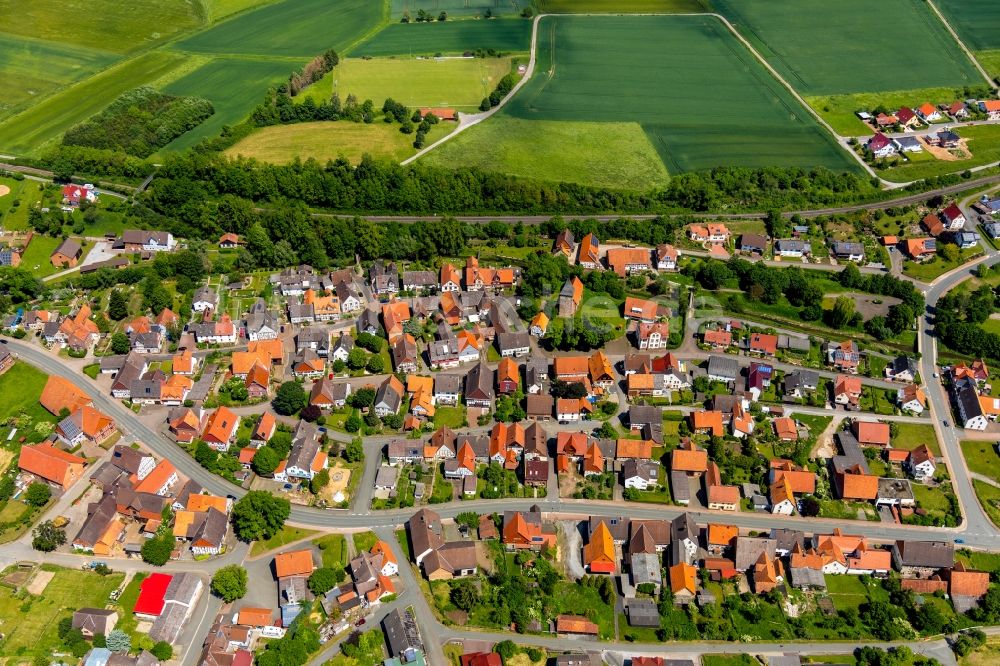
(233, 85)
(989, 497)
(984, 144)
(286, 535)
(36, 257)
(981, 457)
(20, 388)
(455, 7)
(616, 155)
(619, 6)
(838, 110)
(322, 141)
(506, 35)
(218, 9)
(600, 70)
(975, 21)
(459, 83)
(990, 60)
(826, 48)
(109, 25)
(333, 550)
(911, 435)
(30, 624)
(48, 119)
(27, 192)
(302, 28)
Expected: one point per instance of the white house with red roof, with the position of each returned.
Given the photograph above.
(74, 195)
(953, 217)
(881, 146)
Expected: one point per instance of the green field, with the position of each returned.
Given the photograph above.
(602, 154)
(47, 120)
(975, 21)
(459, 83)
(984, 144)
(620, 6)
(839, 110)
(218, 9)
(20, 388)
(714, 105)
(30, 623)
(303, 28)
(911, 435)
(28, 192)
(504, 35)
(109, 25)
(31, 68)
(233, 86)
(285, 535)
(828, 48)
(989, 497)
(981, 457)
(455, 7)
(324, 141)
(990, 60)
(36, 257)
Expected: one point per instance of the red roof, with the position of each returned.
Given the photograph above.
(151, 593)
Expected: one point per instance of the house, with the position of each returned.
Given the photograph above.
(264, 430)
(717, 338)
(953, 217)
(565, 245)
(539, 324)
(218, 332)
(880, 145)
(589, 256)
(870, 433)
(305, 459)
(763, 344)
(907, 117)
(306, 364)
(576, 624)
(843, 356)
(723, 497)
(425, 532)
(67, 254)
(792, 247)
(853, 484)
(229, 241)
(479, 386)
(928, 112)
(95, 621)
(384, 278)
(489, 279)
(85, 425)
(513, 344)
(920, 559)
(723, 368)
(420, 281)
(389, 397)
(508, 376)
(138, 240)
(185, 424)
(920, 248)
(966, 587)
(711, 233)
(260, 323)
(683, 579)
(454, 559)
(902, 369)
(965, 395)
(205, 298)
(394, 315)
(991, 108)
(958, 110)
(51, 464)
(907, 144)
(753, 244)
(848, 251)
(640, 474)
(447, 389)
(524, 529)
(948, 139)
(599, 552)
(404, 354)
(640, 310)
(666, 257)
(688, 459)
(966, 239)
(402, 635)
(220, 428)
(911, 398)
(626, 261)
(921, 463)
(450, 279)
(74, 195)
(785, 429)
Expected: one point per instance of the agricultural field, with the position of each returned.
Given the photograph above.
(620, 6)
(31, 68)
(459, 83)
(990, 60)
(397, 39)
(293, 28)
(580, 57)
(839, 110)
(47, 120)
(107, 25)
(975, 21)
(826, 48)
(233, 86)
(602, 154)
(324, 141)
(220, 9)
(983, 142)
(457, 7)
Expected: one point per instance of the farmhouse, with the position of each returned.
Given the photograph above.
(67, 254)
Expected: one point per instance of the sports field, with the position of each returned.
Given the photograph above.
(601, 154)
(849, 46)
(233, 86)
(324, 141)
(45, 121)
(32, 68)
(110, 25)
(506, 35)
(977, 22)
(620, 6)
(714, 105)
(457, 7)
(302, 28)
(459, 83)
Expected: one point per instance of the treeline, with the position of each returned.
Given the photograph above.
(313, 71)
(279, 109)
(140, 122)
(504, 86)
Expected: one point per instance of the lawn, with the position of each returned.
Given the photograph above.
(459, 83)
(324, 141)
(107, 25)
(936, 267)
(454, 7)
(36, 257)
(453, 417)
(839, 110)
(27, 192)
(932, 499)
(983, 142)
(989, 497)
(233, 85)
(287, 535)
(975, 21)
(817, 60)
(404, 542)
(911, 435)
(710, 73)
(399, 39)
(48, 119)
(727, 660)
(979, 560)
(364, 540)
(301, 28)
(576, 599)
(851, 591)
(333, 550)
(619, 6)
(20, 388)
(981, 457)
(30, 623)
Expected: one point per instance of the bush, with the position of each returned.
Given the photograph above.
(162, 651)
(230, 583)
(38, 494)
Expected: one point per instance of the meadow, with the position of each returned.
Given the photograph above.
(219, 9)
(990, 60)
(324, 141)
(714, 105)
(459, 83)
(456, 7)
(975, 21)
(294, 28)
(828, 48)
(27, 192)
(30, 69)
(620, 6)
(108, 25)
(45, 121)
(984, 144)
(839, 110)
(398, 39)
(233, 86)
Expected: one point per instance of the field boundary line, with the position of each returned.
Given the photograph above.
(961, 44)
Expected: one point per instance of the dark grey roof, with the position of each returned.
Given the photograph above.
(305, 446)
(448, 383)
(479, 382)
(679, 487)
(99, 516)
(401, 632)
(723, 366)
(904, 364)
(967, 399)
(785, 540)
(420, 278)
(640, 414)
(683, 527)
(214, 528)
(748, 550)
(643, 613)
(925, 554)
(513, 340)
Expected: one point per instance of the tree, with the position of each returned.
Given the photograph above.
(322, 580)
(156, 551)
(230, 583)
(607, 431)
(464, 595)
(506, 649)
(948, 252)
(38, 494)
(162, 650)
(291, 397)
(311, 413)
(353, 423)
(842, 312)
(356, 358)
(319, 481)
(119, 641)
(354, 451)
(265, 461)
(259, 515)
(120, 343)
(117, 305)
(375, 364)
(47, 537)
